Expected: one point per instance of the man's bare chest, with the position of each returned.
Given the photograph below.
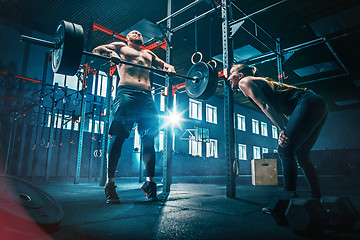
(133, 55)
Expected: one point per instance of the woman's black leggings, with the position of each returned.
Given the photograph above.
(303, 129)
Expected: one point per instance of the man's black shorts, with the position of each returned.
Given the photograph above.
(133, 105)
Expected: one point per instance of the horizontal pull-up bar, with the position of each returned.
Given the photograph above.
(257, 12)
(300, 46)
(252, 14)
(180, 11)
(194, 19)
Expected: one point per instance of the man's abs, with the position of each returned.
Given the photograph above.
(134, 76)
(131, 75)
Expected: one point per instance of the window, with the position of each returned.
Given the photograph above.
(255, 126)
(161, 141)
(264, 150)
(173, 141)
(241, 122)
(195, 147)
(211, 148)
(57, 120)
(195, 109)
(68, 123)
(72, 82)
(100, 85)
(153, 93)
(242, 152)
(201, 134)
(256, 152)
(174, 103)
(264, 129)
(274, 132)
(97, 127)
(162, 102)
(136, 139)
(211, 114)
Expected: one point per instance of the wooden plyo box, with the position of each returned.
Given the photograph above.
(264, 172)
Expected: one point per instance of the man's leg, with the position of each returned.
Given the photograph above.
(149, 187)
(115, 146)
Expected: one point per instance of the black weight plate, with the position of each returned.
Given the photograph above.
(198, 89)
(67, 58)
(213, 78)
(17, 195)
(207, 91)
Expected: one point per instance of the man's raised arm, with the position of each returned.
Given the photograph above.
(109, 50)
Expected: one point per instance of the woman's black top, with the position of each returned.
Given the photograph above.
(283, 99)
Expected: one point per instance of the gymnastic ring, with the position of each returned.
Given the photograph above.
(112, 88)
(194, 54)
(95, 153)
(42, 142)
(100, 155)
(213, 61)
(76, 100)
(236, 167)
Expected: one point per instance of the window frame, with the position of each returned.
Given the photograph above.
(256, 152)
(213, 142)
(255, 126)
(274, 131)
(213, 114)
(263, 127)
(192, 104)
(198, 150)
(243, 155)
(241, 119)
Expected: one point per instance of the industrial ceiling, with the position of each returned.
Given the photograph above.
(320, 39)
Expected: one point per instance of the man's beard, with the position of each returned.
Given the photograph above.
(137, 42)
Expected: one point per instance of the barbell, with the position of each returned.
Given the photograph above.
(67, 50)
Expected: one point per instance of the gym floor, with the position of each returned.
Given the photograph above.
(194, 209)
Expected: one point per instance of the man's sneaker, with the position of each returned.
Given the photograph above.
(150, 191)
(110, 193)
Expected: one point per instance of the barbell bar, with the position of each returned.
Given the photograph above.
(67, 51)
(114, 60)
(56, 45)
(117, 61)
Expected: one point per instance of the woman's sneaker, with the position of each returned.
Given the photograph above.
(110, 193)
(150, 190)
(266, 210)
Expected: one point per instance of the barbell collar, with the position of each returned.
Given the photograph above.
(38, 41)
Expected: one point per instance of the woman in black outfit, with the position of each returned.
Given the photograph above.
(299, 114)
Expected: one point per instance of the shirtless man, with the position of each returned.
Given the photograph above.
(133, 103)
